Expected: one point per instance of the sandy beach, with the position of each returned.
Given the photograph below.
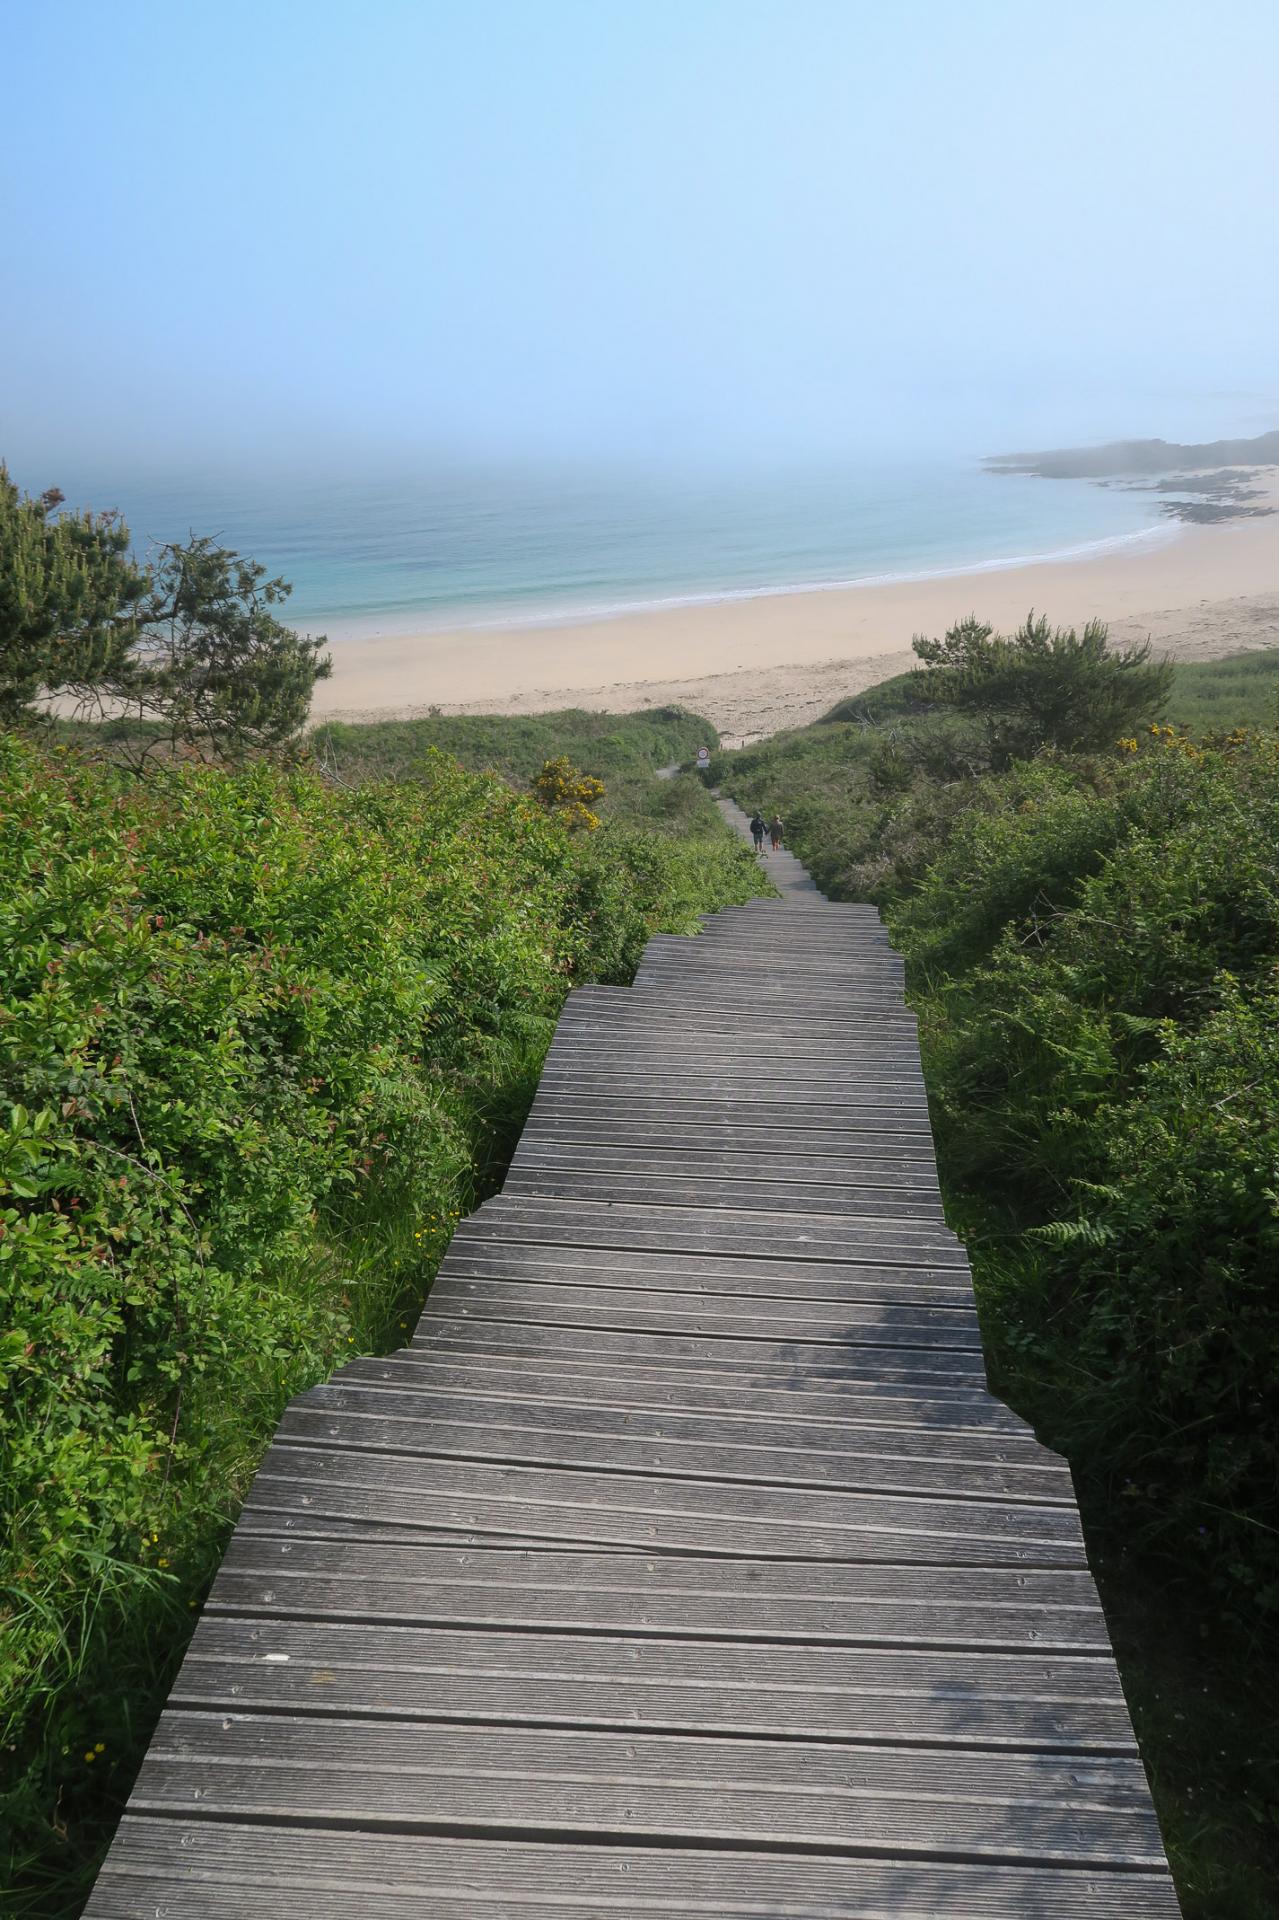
(757, 664)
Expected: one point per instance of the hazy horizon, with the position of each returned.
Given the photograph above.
(709, 236)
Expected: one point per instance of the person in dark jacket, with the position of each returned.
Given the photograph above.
(757, 830)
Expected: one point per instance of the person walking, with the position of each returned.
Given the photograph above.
(775, 831)
(757, 830)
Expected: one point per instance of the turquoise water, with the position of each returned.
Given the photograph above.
(419, 552)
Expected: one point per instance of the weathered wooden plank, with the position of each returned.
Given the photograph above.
(659, 1011)
(756, 1182)
(747, 954)
(870, 1082)
(781, 1320)
(615, 1381)
(851, 951)
(728, 983)
(681, 950)
(692, 1231)
(738, 1114)
(749, 1224)
(827, 973)
(865, 962)
(649, 1787)
(669, 1060)
(819, 1097)
(712, 977)
(806, 935)
(699, 958)
(505, 1305)
(723, 991)
(552, 1129)
(864, 1458)
(635, 1593)
(706, 1190)
(682, 1515)
(1018, 1469)
(628, 1145)
(473, 1251)
(547, 1145)
(1063, 1703)
(707, 1038)
(835, 1027)
(191, 1870)
(654, 1042)
(865, 1104)
(742, 927)
(331, 1533)
(741, 996)
(551, 1436)
(946, 1374)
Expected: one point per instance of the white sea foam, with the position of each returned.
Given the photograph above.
(518, 619)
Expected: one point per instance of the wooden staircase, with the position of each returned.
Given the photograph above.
(683, 1563)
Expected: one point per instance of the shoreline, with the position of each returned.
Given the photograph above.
(357, 628)
(770, 658)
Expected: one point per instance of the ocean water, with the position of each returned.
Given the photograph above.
(410, 553)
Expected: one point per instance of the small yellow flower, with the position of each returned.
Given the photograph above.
(162, 1562)
(101, 1747)
(90, 1756)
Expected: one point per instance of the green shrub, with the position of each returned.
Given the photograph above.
(1079, 908)
(1042, 686)
(1165, 1283)
(1096, 946)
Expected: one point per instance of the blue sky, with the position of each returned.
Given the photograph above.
(703, 229)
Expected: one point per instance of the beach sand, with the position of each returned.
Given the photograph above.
(777, 660)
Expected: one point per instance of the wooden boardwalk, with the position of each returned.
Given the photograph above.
(683, 1563)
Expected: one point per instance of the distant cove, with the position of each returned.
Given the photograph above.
(1203, 481)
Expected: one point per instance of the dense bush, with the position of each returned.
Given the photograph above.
(1096, 950)
(257, 1037)
(1166, 1279)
